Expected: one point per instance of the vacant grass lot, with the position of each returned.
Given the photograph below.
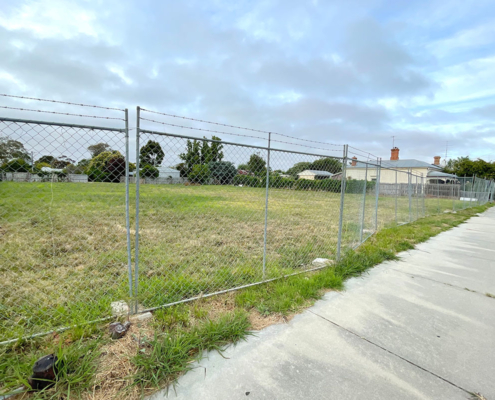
(63, 256)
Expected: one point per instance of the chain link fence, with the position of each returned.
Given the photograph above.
(211, 215)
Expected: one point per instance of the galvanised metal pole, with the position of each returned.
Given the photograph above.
(127, 217)
(409, 187)
(266, 203)
(472, 191)
(364, 203)
(423, 191)
(396, 197)
(377, 192)
(417, 197)
(453, 198)
(342, 197)
(438, 197)
(136, 250)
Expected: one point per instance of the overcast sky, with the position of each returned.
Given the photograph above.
(353, 71)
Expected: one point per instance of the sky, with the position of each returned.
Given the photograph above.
(351, 72)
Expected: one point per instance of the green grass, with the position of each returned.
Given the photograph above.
(76, 365)
(63, 256)
(184, 332)
(170, 353)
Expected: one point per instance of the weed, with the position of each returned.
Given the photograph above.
(170, 354)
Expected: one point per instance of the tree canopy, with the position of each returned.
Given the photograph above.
(151, 154)
(256, 165)
(98, 148)
(12, 149)
(200, 153)
(464, 166)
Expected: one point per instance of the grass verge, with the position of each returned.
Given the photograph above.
(155, 353)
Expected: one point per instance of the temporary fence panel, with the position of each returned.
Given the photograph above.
(64, 255)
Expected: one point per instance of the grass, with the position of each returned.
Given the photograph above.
(63, 254)
(178, 335)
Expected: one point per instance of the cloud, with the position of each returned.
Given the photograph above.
(356, 72)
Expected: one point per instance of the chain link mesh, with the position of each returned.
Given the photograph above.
(63, 253)
(213, 215)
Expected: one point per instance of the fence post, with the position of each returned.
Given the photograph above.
(364, 203)
(417, 197)
(453, 198)
(266, 202)
(395, 197)
(136, 250)
(472, 191)
(409, 193)
(377, 192)
(423, 190)
(342, 197)
(127, 217)
(438, 197)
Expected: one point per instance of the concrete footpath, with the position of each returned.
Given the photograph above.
(419, 328)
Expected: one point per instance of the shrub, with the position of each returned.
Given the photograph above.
(107, 166)
(148, 171)
(247, 180)
(223, 172)
(17, 165)
(200, 174)
(97, 175)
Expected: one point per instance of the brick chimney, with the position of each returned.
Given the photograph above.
(436, 160)
(354, 161)
(394, 156)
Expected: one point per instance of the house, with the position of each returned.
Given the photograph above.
(166, 172)
(314, 175)
(357, 169)
(441, 177)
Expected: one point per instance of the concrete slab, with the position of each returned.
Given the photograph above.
(405, 330)
(309, 358)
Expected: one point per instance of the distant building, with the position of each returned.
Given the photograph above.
(167, 172)
(357, 169)
(314, 175)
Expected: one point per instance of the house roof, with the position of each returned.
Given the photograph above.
(166, 170)
(411, 163)
(439, 174)
(314, 172)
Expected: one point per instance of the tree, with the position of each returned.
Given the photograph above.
(328, 164)
(222, 171)
(96, 149)
(464, 166)
(62, 162)
(45, 160)
(16, 165)
(152, 154)
(148, 171)
(108, 166)
(211, 152)
(256, 165)
(199, 174)
(12, 149)
(298, 167)
(243, 167)
(191, 157)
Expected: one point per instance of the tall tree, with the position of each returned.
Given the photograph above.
(45, 159)
(256, 165)
(151, 154)
(191, 157)
(211, 152)
(328, 164)
(464, 166)
(12, 149)
(98, 148)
